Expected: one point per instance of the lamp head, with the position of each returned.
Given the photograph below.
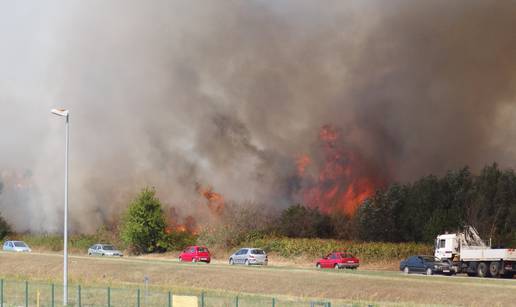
(60, 112)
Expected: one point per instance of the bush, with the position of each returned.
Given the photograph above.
(178, 240)
(5, 228)
(301, 222)
(239, 223)
(314, 248)
(53, 242)
(143, 224)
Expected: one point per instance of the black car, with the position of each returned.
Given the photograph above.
(424, 264)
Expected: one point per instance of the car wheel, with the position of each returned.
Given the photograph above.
(194, 260)
(231, 261)
(429, 271)
(180, 259)
(318, 265)
(89, 254)
(406, 270)
(102, 254)
(336, 266)
(246, 262)
(482, 269)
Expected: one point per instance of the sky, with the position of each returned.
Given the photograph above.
(227, 95)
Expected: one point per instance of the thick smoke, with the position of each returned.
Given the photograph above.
(227, 94)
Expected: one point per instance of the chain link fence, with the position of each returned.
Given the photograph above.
(24, 293)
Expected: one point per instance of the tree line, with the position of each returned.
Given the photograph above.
(419, 211)
(411, 212)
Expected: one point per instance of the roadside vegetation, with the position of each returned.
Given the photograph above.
(395, 222)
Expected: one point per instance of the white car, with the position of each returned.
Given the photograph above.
(104, 250)
(16, 246)
(249, 256)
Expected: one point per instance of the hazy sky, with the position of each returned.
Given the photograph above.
(229, 93)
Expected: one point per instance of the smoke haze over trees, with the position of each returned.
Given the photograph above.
(228, 94)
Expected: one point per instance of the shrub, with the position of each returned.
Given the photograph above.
(368, 251)
(143, 224)
(5, 228)
(302, 222)
(54, 242)
(239, 223)
(178, 240)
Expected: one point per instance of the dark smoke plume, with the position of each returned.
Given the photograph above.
(227, 94)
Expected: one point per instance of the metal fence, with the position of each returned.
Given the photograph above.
(24, 293)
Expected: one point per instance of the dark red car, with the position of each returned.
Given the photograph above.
(338, 260)
(195, 254)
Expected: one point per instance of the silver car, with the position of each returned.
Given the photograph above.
(104, 250)
(249, 256)
(16, 246)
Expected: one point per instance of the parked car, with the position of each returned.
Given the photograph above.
(195, 254)
(424, 264)
(16, 246)
(249, 256)
(104, 250)
(338, 260)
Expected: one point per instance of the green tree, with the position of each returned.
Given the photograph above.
(143, 224)
(299, 221)
(5, 228)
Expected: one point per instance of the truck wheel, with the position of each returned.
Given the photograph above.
(406, 270)
(494, 269)
(482, 269)
(429, 271)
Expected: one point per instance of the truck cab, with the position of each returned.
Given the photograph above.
(447, 247)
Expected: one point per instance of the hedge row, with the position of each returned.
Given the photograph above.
(372, 251)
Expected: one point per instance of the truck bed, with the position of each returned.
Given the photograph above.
(487, 254)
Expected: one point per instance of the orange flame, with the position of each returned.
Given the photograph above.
(302, 163)
(344, 180)
(189, 223)
(215, 200)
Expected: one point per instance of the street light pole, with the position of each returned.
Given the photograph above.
(66, 115)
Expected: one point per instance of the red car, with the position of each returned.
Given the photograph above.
(195, 254)
(338, 260)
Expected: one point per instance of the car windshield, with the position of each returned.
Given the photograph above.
(203, 250)
(257, 252)
(430, 259)
(108, 247)
(19, 244)
(344, 255)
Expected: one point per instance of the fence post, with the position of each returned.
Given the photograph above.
(202, 299)
(79, 295)
(26, 294)
(2, 293)
(169, 299)
(53, 292)
(273, 302)
(109, 297)
(138, 298)
(236, 301)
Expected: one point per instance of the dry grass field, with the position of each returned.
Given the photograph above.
(283, 280)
